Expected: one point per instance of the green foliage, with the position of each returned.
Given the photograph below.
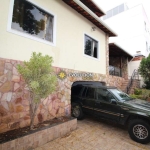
(142, 94)
(137, 91)
(38, 75)
(146, 84)
(144, 70)
(137, 96)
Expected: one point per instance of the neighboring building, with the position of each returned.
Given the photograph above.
(70, 32)
(134, 65)
(132, 26)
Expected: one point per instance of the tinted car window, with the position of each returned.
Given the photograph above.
(120, 95)
(104, 95)
(76, 90)
(90, 93)
(84, 91)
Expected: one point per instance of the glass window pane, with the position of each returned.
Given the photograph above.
(95, 49)
(91, 47)
(115, 11)
(109, 13)
(104, 95)
(88, 46)
(30, 19)
(76, 90)
(90, 93)
(101, 94)
(121, 8)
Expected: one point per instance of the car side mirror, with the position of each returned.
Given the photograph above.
(113, 101)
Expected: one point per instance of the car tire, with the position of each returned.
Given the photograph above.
(76, 111)
(139, 131)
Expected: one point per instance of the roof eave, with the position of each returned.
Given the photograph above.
(87, 13)
(115, 44)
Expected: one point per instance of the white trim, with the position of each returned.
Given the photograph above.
(98, 50)
(26, 35)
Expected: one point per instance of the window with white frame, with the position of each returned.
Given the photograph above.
(90, 46)
(32, 20)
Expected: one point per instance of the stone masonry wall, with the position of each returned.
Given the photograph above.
(14, 95)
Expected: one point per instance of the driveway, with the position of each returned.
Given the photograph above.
(95, 134)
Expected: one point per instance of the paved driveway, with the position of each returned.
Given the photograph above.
(94, 134)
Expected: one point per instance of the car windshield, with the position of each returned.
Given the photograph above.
(120, 95)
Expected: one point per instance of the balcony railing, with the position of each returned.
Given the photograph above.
(115, 71)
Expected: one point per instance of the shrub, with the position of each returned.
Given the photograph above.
(137, 91)
(141, 94)
(40, 79)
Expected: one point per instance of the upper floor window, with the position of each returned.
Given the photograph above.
(90, 47)
(114, 11)
(28, 18)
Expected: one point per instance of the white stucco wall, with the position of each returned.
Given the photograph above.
(68, 51)
(132, 66)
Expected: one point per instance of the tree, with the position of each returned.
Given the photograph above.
(144, 70)
(39, 77)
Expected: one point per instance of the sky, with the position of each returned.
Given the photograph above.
(109, 4)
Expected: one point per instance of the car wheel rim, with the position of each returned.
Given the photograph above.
(76, 111)
(140, 131)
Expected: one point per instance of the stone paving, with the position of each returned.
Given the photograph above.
(95, 134)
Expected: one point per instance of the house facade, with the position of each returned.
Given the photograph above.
(133, 28)
(70, 32)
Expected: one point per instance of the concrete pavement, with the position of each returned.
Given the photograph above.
(95, 134)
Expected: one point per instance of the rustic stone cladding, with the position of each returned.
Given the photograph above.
(107, 54)
(14, 95)
(41, 137)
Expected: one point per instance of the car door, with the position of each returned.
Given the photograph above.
(106, 106)
(88, 99)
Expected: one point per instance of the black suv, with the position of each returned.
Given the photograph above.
(112, 104)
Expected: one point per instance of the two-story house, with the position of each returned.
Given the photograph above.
(70, 32)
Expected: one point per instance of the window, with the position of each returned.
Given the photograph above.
(30, 20)
(121, 8)
(76, 90)
(115, 11)
(91, 47)
(120, 95)
(104, 95)
(90, 93)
